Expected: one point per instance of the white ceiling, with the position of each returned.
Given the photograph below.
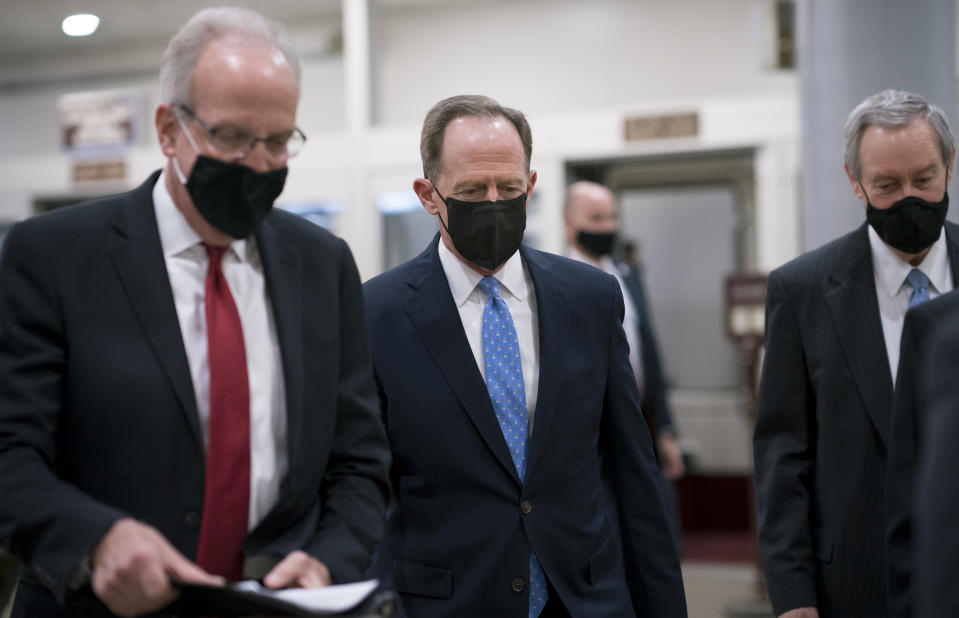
(133, 33)
(32, 27)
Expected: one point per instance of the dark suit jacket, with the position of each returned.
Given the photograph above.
(937, 535)
(655, 404)
(908, 410)
(821, 432)
(463, 523)
(98, 416)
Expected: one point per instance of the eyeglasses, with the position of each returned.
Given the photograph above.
(236, 142)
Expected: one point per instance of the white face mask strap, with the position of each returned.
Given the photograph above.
(179, 172)
(189, 137)
(186, 131)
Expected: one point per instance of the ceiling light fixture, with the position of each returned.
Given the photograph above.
(83, 24)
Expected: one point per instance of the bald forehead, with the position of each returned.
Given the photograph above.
(587, 196)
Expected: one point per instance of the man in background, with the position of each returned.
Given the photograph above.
(592, 225)
(511, 407)
(185, 381)
(833, 322)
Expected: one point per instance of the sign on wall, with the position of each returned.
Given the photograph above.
(96, 129)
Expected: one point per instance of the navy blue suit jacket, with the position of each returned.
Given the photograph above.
(98, 415)
(937, 509)
(463, 523)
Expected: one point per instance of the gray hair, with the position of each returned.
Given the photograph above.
(472, 105)
(893, 109)
(207, 26)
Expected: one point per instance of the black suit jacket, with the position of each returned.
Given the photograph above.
(655, 403)
(821, 431)
(937, 535)
(463, 522)
(98, 416)
(908, 410)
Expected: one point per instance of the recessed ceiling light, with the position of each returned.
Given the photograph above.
(83, 24)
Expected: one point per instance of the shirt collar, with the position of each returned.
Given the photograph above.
(891, 270)
(463, 279)
(176, 235)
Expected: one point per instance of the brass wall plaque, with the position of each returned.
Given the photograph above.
(639, 128)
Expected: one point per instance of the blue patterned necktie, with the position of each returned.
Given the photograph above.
(504, 381)
(920, 287)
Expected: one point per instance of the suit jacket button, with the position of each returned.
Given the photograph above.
(191, 518)
(526, 506)
(518, 584)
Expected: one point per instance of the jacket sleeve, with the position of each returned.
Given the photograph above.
(356, 486)
(784, 449)
(651, 560)
(51, 524)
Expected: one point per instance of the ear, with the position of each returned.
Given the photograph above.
(952, 158)
(529, 187)
(424, 190)
(856, 186)
(167, 128)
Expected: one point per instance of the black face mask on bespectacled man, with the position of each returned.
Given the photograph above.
(911, 225)
(486, 233)
(232, 197)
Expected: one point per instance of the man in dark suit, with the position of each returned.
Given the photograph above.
(184, 372)
(512, 411)
(833, 322)
(908, 415)
(592, 224)
(937, 508)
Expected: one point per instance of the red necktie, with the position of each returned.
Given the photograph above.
(226, 499)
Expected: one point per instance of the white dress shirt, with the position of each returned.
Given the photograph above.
(630, 315)
(893, 292)
(516, 289)
(187, 263)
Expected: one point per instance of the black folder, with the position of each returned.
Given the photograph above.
(238, 600)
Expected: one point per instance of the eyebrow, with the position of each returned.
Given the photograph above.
(883, 177)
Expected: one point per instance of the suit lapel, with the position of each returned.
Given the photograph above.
(552, 314)
(138, 260)
(282, 269)
(952, 250)
(431, 308)
(855, 312)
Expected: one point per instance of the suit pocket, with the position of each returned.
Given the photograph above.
(603, 560)
(824, 545)
(423, 578)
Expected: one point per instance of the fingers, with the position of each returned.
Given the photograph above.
(298, 569)
(131, 566)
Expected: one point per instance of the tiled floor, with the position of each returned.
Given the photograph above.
(722, 590)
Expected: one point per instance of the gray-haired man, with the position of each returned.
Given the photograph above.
(185, 382)
(833, 322)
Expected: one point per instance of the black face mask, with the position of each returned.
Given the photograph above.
(597, 243)
(911, 224)
(233, 198)
(485, 233)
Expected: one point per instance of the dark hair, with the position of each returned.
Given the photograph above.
(448, 110)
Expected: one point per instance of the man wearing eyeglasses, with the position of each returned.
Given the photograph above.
(185, 385)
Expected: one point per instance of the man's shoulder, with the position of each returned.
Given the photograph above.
(936, 309)
(567, 269)
(815, 265)
(295, 228)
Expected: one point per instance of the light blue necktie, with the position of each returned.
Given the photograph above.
(504, 381)
(920, 287)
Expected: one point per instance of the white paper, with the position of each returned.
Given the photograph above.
(331, 599)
